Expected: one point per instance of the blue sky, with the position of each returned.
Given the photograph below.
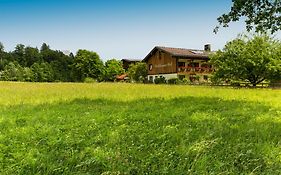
(114, 28)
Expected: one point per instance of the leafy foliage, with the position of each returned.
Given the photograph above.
(88, 64)
(174, 81)
(43, 72)
(113, 68)
(47, 65)
(262, 15)
(160, 80)
(12, 72)
(138, 71)
(249, 59)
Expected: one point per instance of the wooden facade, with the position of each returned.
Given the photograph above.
(177, 62)
(161, 63)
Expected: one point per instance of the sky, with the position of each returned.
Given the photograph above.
(120, 29)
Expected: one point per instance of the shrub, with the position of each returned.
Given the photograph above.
(197, 77)
(235, 84)
(12, 72)
(160, 80)
(89, 80)
(27, 74)
(185, 81)
(216, 81)
(137, 72)
(174, 81)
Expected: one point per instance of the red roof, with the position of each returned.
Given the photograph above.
(121, 77)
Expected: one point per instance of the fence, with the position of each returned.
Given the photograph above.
(240, 85)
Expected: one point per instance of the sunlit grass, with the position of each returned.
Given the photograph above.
(73, 128)
(38, 93)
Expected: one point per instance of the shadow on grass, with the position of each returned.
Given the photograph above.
(188, 135)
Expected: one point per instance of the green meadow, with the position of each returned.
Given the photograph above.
(103, 128)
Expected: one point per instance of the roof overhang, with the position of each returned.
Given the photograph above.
(190, 56)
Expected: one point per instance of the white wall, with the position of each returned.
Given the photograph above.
(167, 76)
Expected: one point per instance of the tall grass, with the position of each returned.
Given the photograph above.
(38, 93)
(69, 128)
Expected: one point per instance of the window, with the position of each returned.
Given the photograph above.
(196, 64)
(181, 64)
(193, 64)
(150, 67)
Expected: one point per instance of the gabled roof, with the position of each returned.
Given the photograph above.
(131, 60)
(181, 52)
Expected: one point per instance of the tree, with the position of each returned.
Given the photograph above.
(1, 47)
(248, 59)
(12, 72)
(18, 54)
(44, 47)
(31, 55)
(43, 65)
(2, 53)
(88, 64)
(262, 15)
(27, 74)
(43, 72)
(47, 74)
(113, 68)
(37, 72)
(138, 71)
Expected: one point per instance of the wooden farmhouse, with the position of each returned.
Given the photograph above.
(127, 62)
(179, 63)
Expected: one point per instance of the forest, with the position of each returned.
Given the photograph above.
(30, 64)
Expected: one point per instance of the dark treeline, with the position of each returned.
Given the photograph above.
(31, 64)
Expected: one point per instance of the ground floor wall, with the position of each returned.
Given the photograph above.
(189, 77)
(151, 78)
(195, 77)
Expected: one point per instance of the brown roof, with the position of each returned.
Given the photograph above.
(131, 60)
(181, 52)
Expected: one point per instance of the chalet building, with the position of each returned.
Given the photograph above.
(179, 63)
(127, 62)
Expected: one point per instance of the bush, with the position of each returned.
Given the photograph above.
(160, 80)
(216, 81)
(89, 80)
(137, 72)
(235, 84)
(174, 81)
(27, 74)
(186, 81)
(12, 72)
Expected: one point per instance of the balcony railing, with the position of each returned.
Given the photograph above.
(189, 69)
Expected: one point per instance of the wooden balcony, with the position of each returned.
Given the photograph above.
(189, 69)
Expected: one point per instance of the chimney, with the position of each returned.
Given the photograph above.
(207, 47)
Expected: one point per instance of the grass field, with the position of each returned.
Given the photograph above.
(68, 128)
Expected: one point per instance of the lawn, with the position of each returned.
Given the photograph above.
(73, 128)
